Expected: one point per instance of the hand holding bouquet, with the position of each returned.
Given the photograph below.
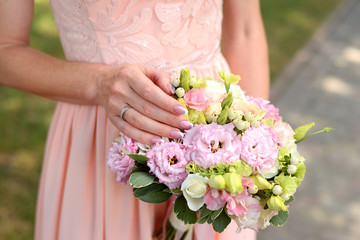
(239, 162)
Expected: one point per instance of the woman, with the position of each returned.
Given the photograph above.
(121, 56)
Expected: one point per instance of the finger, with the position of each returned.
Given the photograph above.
(154, 112)
(152, 93)
(134, 133)
(161, 79)
(144, 123)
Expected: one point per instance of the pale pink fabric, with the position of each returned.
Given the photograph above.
(78, 197)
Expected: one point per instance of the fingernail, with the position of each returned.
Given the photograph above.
(180, 110)
(156, 140)
(171, 88)
(176, 134)
(185, 125)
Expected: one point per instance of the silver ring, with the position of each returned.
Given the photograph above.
(123, 110)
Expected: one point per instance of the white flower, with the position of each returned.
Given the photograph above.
(193, 189)
(143, 148)
(216, 89)
(236, 91)
(284, 134)
(272, 172)
(265, 216)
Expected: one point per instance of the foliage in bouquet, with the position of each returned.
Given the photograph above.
(239, 162)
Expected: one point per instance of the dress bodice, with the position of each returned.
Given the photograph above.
(164, 34)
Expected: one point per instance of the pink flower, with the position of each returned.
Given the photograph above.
(118, 161)
(213, 199)
(259, 147)
(167, 162)
(197, 99)
(208, 145)
(285, 134)
(271, 110)
(251, 218)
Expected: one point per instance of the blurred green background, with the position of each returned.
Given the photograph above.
(24, 118)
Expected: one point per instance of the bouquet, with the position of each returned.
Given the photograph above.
(238, 163)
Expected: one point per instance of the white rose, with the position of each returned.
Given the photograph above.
(193, 189)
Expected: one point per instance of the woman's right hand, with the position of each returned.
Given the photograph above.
(153, 113)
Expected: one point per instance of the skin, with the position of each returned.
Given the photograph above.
(146, 90)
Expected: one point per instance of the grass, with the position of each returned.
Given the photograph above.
(24, 118)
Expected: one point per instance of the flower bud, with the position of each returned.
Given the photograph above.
(247, 124)
(292, 169)
(253, 190)
(261, 182)
(248, 116)
(223, 116)
(175, 82)
(239, 124)
(254, 123)
(294, 160)
(180, 92)
(277, 190)
(217, 182)
(276, 203)
(285, 196)
(193, 80)
(231, 114)
(233, 183)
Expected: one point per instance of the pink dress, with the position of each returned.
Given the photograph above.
(78, 197)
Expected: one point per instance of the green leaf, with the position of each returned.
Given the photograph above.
(176, 191)
(139, 158)
(205, 211)
(154, 187)
(141, 179)
(280, 219)
(268, 122)
(300, 172)
(118, 139)
(203, 220)
(139, 169)
(221, 222)
(325, 130)
(216, 213)
(287, 202)
(301, 131)
(155, 197)
(183, 212)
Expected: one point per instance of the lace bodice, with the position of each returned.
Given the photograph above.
(165, 34)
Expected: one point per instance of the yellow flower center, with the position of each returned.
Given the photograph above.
(173, 160)
(213, 149)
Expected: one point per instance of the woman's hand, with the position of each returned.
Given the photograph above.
(153, 112)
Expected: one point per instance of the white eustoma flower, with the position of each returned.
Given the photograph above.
(143, 148)
(216, 89)
(194, 188)
(236, 91)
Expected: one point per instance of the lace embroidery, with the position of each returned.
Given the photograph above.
(158, 33)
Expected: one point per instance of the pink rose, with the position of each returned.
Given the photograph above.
(208, 145)
(118, 161)
(167, 162)
(196, 99)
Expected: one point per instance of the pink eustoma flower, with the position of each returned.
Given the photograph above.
(208, 145)
(271, 110)
(168, 163)
(259, 147)
(118, 161)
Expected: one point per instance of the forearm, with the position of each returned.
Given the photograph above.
(32, 71)
(244, 47)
